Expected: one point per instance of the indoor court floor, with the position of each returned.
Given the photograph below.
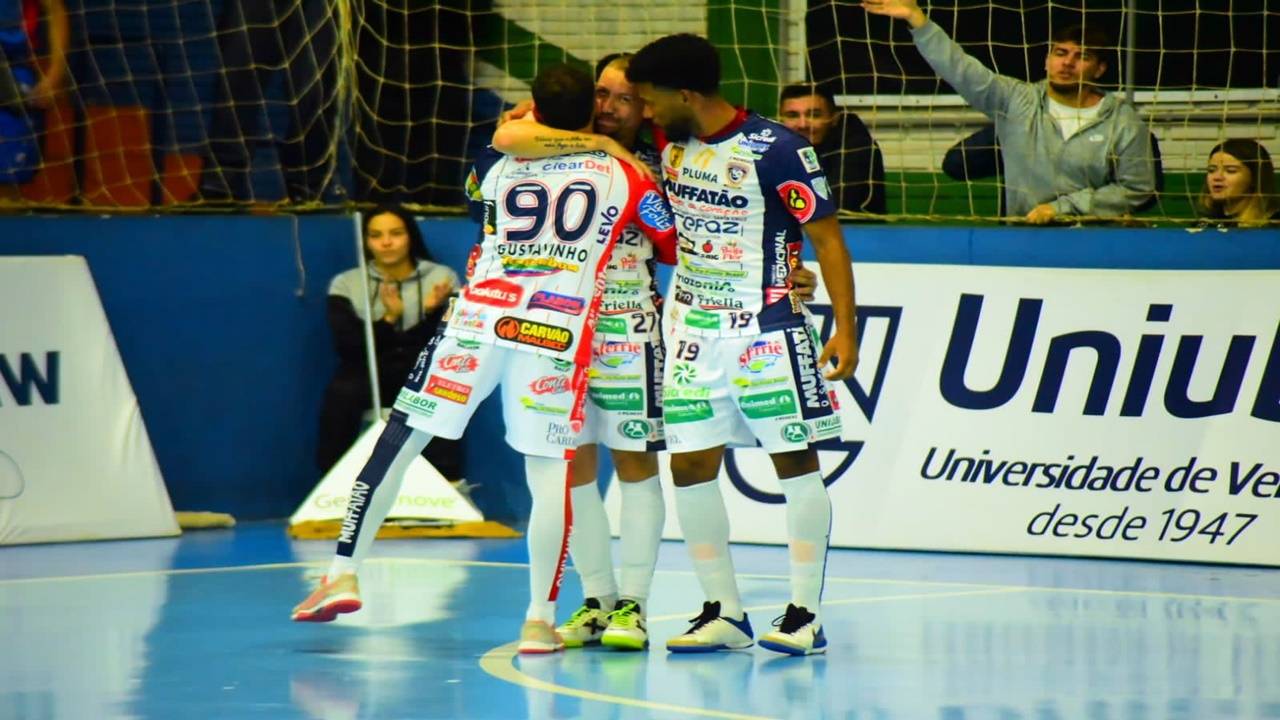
(198, 628)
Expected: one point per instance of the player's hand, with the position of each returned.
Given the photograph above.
(523, 109)
(391, 301)
(437, 297)
(843, 345)
(908, 10)
(614, 148)
(1041, 214)
(804, 282)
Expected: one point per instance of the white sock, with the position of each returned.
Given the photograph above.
(589, 545)
(550, 521)
(705, 525)
(808, 532)
(643, 516)
(374, 494)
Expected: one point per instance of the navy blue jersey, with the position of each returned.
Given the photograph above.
(739, 198)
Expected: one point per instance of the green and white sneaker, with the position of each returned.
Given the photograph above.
(627, 630)
(585, 626)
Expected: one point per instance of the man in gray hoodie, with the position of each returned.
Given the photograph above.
(1069, 147)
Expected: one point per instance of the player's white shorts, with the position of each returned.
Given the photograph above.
(624, 396)
(542, 397)
(737, 390)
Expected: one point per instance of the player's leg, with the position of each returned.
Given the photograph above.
(808, 532)
(699, 419)
(541, 427)
(624, 413)
(431, 402)
(641, 519)
(793, 407)
(589, 548)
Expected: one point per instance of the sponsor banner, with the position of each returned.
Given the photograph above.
(75, 458)
(1106, 413)
(424, 495)
(534, 334)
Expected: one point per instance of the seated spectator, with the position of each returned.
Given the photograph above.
(26, 88)
(978, 156)
(1240, 184)
(408, 294)
(1070, 147)
(850, 158)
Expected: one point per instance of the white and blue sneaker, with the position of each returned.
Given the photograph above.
(797, 633)
(711, 632)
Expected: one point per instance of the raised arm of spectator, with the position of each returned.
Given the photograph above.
(987, 91)
(1133, 178)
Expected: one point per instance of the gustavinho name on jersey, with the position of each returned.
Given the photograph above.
(535, 279)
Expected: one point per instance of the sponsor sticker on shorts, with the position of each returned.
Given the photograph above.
(549, 385)
(768, 405)
(618, 399)
(534, 334)
(460, 363)
(636, 429)
(685, 411)
(803, 346)
(796, 432)
(448, 389)
(410, 401)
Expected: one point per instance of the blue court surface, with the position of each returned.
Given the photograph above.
(197, 627)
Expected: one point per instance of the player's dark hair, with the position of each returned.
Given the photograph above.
(1092, 38)
(564, 97)
(800, 90)
(678, 62)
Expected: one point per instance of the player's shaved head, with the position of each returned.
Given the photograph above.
(564, 97)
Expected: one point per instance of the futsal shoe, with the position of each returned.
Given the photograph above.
(797, 634)
(626, 629)
(585, 626)
(711, 632)
(539, 638)
(329, 600)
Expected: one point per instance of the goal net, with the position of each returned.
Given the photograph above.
(297, 104)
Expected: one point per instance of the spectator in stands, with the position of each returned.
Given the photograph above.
(1070, 148)
(255, 39)
(977, 156)
(27, 85)
(851, 159)
(1240, 184)
(408, 293)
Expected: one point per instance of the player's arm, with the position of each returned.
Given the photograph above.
(647, 208)
(526, 137)
(837, 275)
